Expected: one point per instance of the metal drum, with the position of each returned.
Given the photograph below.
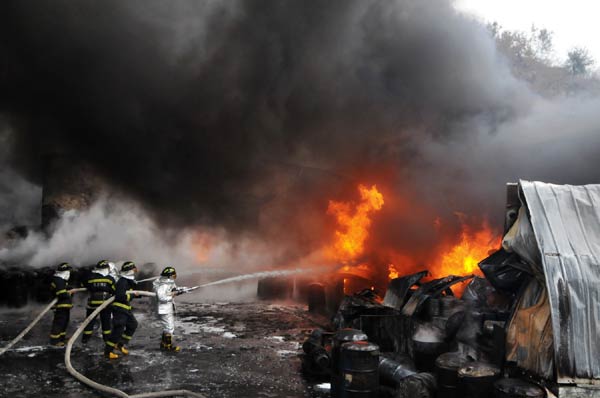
(274, 288)
(517, 388)
(316, 298)
(342, 336)
(426, 352)
(446, 368)
(477, 379)
(359, 366)
(392, 372)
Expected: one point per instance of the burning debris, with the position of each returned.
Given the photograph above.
(447, 336)
(498, 337)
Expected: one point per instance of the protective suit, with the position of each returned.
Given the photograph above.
(101, 286)
(62, 310)
(165, 289)
(124, 323)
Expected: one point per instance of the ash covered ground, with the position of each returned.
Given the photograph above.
(244, 349)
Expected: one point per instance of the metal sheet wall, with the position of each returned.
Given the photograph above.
(566, 222)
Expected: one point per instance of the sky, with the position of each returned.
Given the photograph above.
(574, 22)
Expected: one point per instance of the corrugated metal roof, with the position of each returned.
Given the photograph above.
(566, 222)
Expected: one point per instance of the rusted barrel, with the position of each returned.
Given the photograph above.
(446, 368)
(359, 366)
(477, 379)
(342, 336)
(517, 388)
(316, 298)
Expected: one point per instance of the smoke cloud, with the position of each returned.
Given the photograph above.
(108, 226)
(247, 116)
(19, 198)
(120, 230)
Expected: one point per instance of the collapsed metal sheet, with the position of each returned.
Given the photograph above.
(566, 223)
(399, 287)
(529, 335)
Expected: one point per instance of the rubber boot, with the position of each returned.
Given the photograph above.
(163, 341)
(108, 353)
(86, 338)
(169, 343)
(122, 348)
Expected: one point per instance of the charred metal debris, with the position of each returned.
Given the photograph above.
(527, 328)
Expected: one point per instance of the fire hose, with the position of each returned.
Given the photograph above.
(102, 387)
(44, 311)
(35, 321)
(79, 330)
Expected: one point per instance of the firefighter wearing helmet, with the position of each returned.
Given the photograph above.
(101, 286)
(62, 309)
(166, 290)
(124, 323)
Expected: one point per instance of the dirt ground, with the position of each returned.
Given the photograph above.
(228, 350)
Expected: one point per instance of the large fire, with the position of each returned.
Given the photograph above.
(354, 221)
(349, 243)
(462, 259)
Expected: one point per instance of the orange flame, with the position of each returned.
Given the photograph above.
(462, 259)
(349, 243)
(392, 272)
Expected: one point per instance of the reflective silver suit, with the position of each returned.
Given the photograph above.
(164, 288)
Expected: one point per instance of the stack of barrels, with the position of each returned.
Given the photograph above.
(355, 365)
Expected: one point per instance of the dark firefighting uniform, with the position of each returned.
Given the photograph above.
(124, 323)
(101, 288)
(62, 310)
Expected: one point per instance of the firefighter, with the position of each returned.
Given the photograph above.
(165, 290)
(62, 310)
(124, 323)
(101, 287)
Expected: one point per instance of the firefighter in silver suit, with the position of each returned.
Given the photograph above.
(166, 290)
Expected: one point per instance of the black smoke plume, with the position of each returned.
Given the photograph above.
(246, 113)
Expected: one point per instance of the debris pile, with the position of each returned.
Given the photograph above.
(501, 336)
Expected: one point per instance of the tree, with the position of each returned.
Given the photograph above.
(522, 47)
(542, 43)
(579, 61)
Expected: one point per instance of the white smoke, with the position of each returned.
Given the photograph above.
(427, 334)
(119, 230)
(111, 229)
